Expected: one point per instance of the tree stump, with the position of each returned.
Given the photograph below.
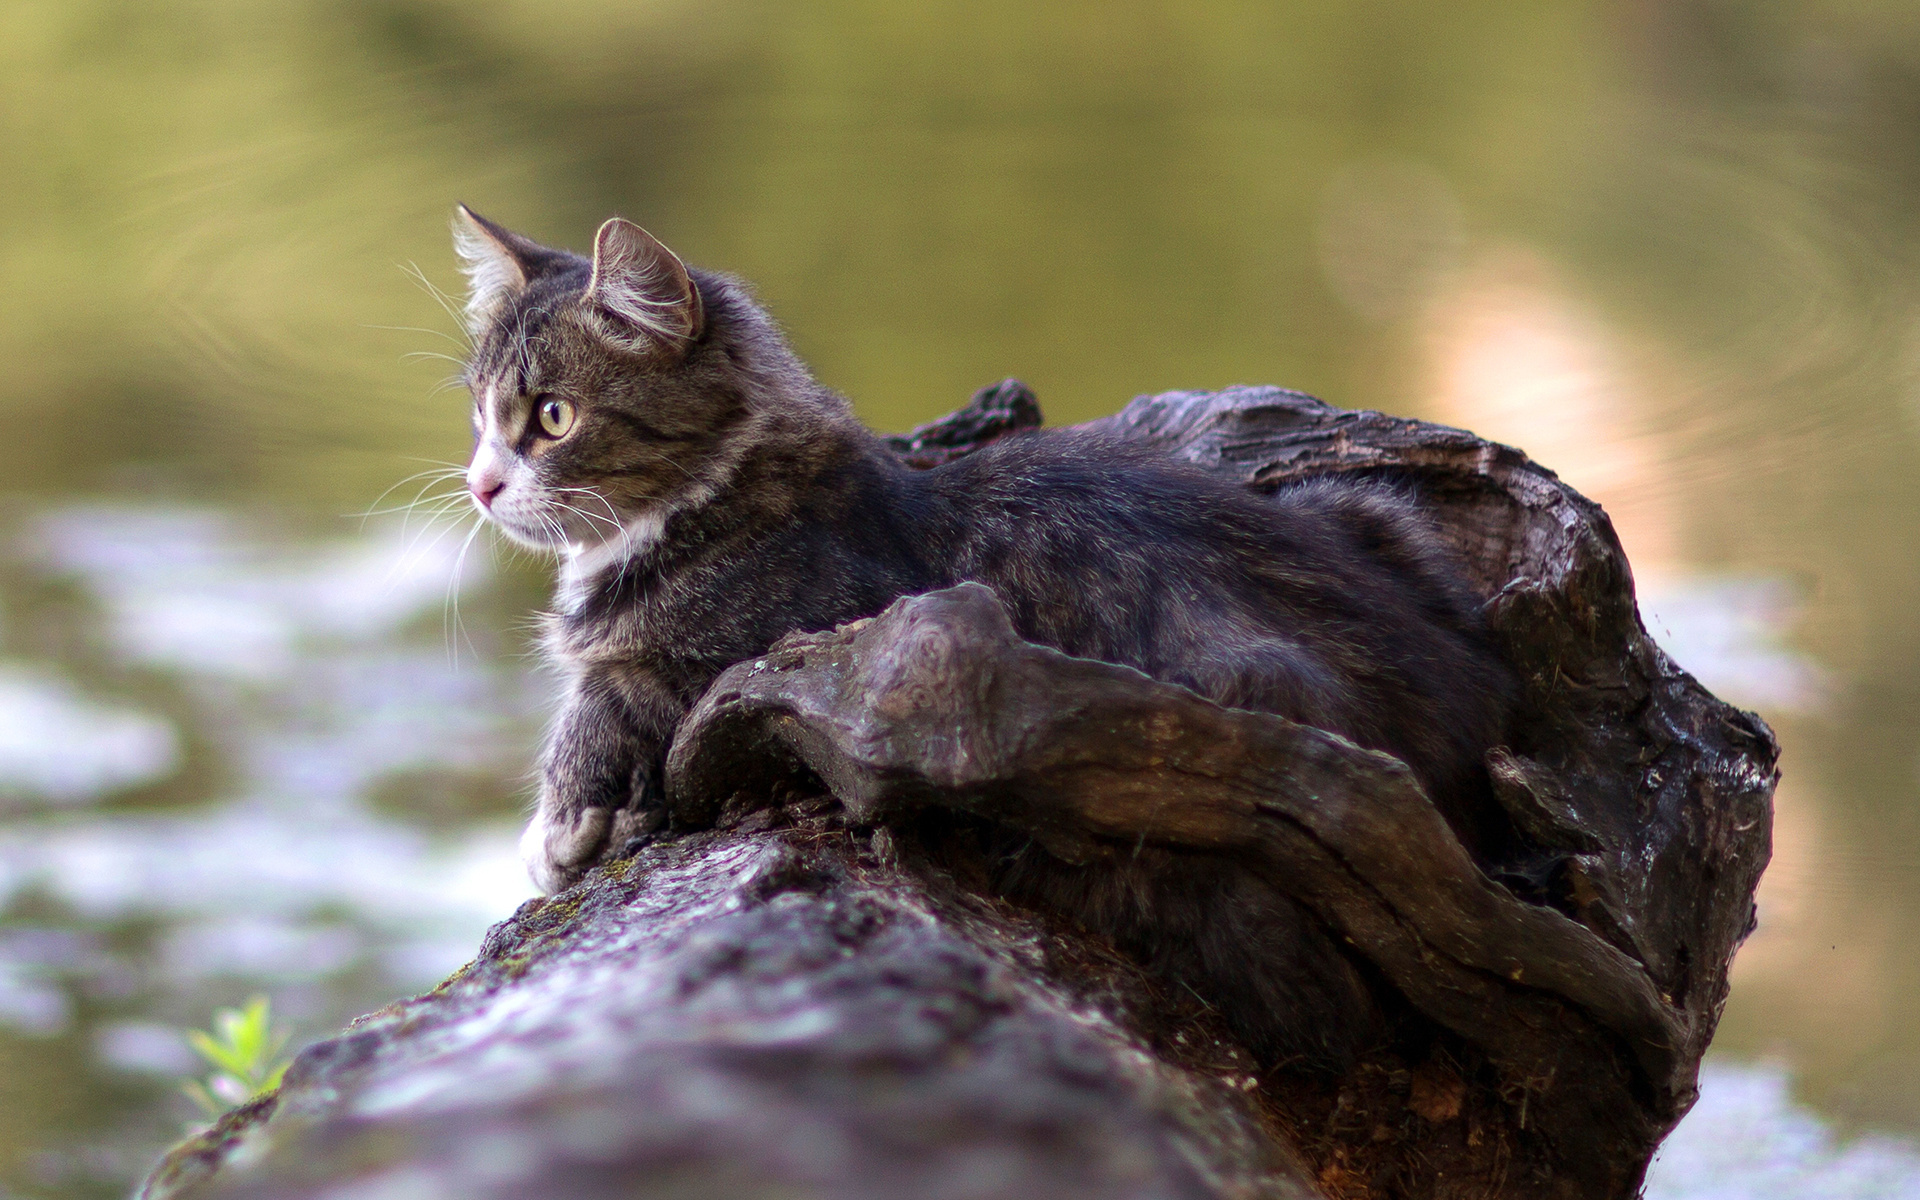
(815, 992)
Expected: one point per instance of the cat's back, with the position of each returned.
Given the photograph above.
(1090, 504)
(1331, 600)
(1081, 497)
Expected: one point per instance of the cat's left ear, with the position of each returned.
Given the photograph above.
(645, 287)
(498, 263)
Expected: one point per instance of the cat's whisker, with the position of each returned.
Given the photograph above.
(560, 539)
(610, 522)
(414, 547)
(430, 477)
(413, 553)
(570, 541)
(438, 475)
(626, 534)
(442, 299)
(439, 333)
(438, 506)
(457, 506)
(620, 528)
(452, 624)
(456, 632)
(587, 491)
(436, 469)
(458, 362)
(614, 528)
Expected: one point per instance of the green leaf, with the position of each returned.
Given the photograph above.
(242, 1050)
(218, 1054)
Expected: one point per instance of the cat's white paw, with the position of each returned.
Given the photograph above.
(558, 848)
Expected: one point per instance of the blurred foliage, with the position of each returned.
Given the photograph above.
(1107, 198)
(212, 197)
(210, 203)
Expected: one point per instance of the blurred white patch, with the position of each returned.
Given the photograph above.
(1389, 231)
(1730, 632)
(244, 882)
(55, 745)
(292, 879)
(259, 947)
(187, 589)
(29, 1003)
(1747, 1140)
(145, 1047)
(422, 962)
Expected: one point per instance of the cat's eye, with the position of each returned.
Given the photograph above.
(555, 416)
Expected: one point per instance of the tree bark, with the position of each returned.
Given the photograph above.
(817, 995)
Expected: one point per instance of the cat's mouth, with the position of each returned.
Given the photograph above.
(529, 526)
(587, 541)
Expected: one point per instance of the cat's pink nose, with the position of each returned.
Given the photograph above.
(485, 475)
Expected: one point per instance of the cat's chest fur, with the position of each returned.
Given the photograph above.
(720, 584)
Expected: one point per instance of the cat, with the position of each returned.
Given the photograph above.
(649, 425)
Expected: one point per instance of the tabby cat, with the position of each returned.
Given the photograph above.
(704, 495)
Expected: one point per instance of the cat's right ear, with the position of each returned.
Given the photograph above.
(497, 262)
(645, 287)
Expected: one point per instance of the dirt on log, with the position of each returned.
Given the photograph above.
(812, 990)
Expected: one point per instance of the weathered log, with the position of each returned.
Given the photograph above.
(817, 995)
(765, 1013)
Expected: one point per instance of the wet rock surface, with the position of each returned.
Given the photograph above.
(811, 995)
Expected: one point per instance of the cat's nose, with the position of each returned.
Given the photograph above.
(485, 478)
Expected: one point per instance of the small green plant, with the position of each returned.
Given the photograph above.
(244, 1051)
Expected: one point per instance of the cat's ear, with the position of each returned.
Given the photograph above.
(644, 287)
(497, 262)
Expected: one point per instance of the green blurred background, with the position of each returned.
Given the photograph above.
(1668, 248)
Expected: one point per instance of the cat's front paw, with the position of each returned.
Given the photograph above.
(560, 845)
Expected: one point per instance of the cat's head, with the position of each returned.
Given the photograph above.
(608, 391)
